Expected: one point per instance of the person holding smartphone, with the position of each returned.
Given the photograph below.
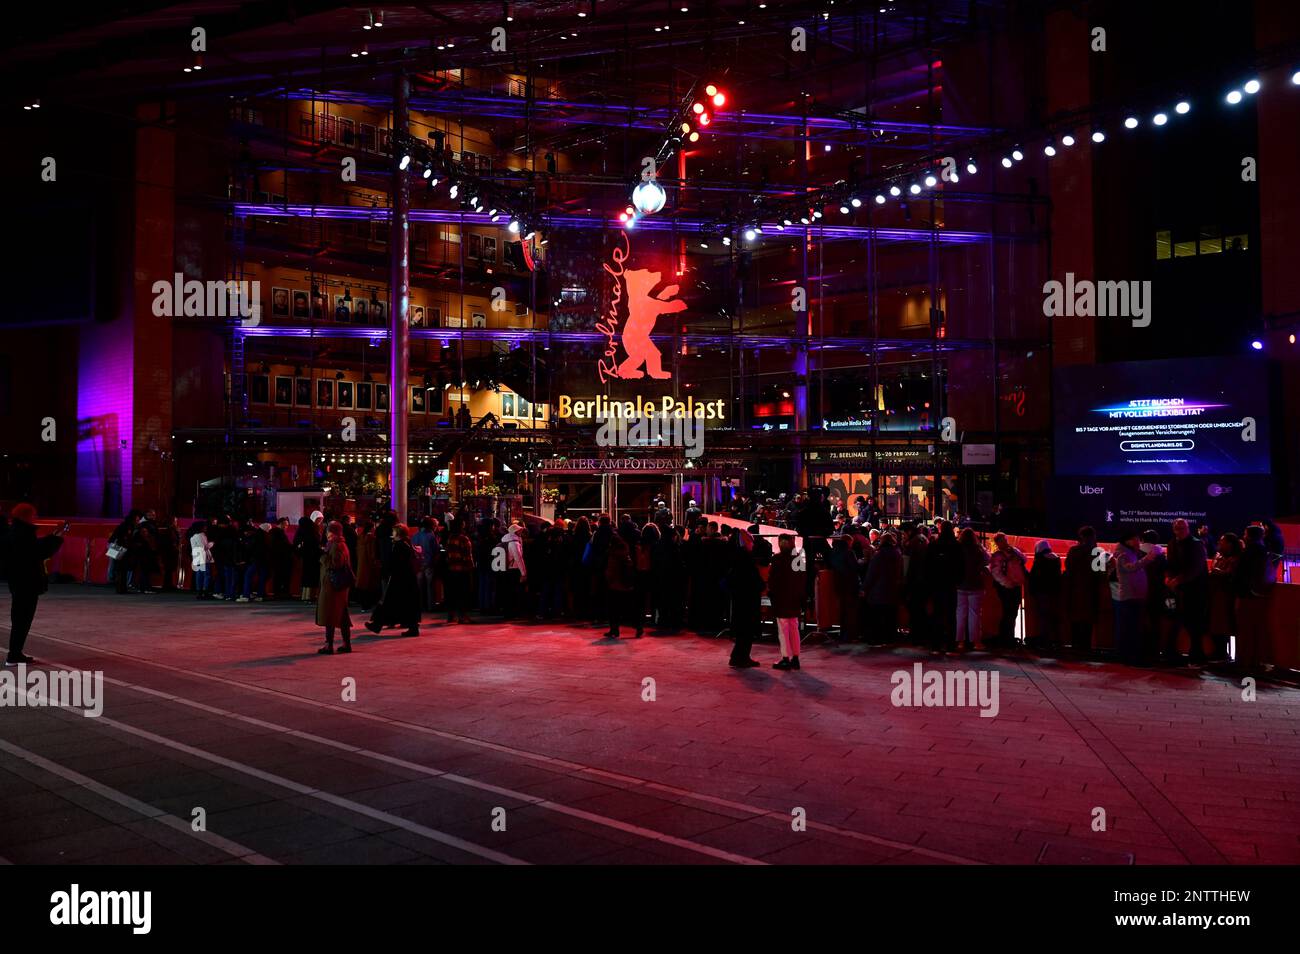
(25, 563)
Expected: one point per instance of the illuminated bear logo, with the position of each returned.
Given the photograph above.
(643, 310)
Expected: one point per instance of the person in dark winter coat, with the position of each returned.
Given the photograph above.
(336, 578)
(307, 545)
(943, 571)
(1043, 595)
(620, 584)
(744, 584)
(883, 588)
(787, 587)
(25, 556)
(400, 605)
(1082, 590)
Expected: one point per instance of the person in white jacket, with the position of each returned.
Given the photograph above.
(201, 560)
(514, 572)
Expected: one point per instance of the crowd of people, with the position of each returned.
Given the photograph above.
(924, 583)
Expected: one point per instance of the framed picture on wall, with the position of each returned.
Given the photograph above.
(344, 394)
(300, 309)
(417, 405)
(365, 395)
(342, 309)
(302, 392)
(259, 388)
(417, 316)
(361, 311)
(478, 319)
(378, 311)
(324, 392)
(507, 405)
(489, 250)
(381, 397)
(283, 390)
(279, 302)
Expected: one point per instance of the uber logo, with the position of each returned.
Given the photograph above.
(1086, 489)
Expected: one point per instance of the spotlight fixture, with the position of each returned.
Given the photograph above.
(405, 161)
(1233, 97)
(726, 240)
(1257, 345)
(454, 190)
(1252, 87)
(1160, 119)
(844, 210)
(1067, 140)
(971, 167)
(1049, 149)
(855, 202)
(1016, 154)
(1098, 136)
(513, 227)
(895, 191)
(931, 182)
(1182, 108)
(914, 189)
(750, 235)
(880, 199)
(1295, 78)
(1006, 162)
(428, 172)
(1131, 122)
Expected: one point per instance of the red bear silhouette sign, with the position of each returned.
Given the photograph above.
(643, 308)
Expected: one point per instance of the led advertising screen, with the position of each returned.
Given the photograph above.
(1155, 418)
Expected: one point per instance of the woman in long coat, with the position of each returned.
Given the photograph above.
(332, 605)
(400, 605)
(367, 566)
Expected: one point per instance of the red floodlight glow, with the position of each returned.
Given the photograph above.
(698, 108)
(704, 119)
(719, 99)
(710, 90)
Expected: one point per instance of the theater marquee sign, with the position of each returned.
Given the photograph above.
(638, 465)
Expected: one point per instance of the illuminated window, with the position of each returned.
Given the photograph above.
(1236, 243)
(1210, 243)
(1164, 245)
(1184, 249)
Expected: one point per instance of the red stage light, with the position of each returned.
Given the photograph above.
(695, 137)
(704, 119)
(710, 90)
(686, 127)
(698, 108)
(719, 99)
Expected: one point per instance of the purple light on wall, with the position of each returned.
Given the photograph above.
(105, 418)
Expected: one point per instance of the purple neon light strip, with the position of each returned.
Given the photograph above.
(770, 231)
(525, 335)
(499, 107)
